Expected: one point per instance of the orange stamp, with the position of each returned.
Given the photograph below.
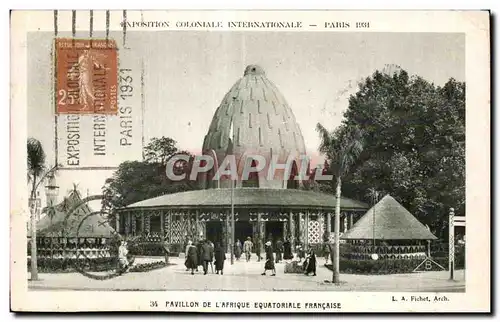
(86, 76)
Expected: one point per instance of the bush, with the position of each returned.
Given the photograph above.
(146, 249)
(148, 267)
(67, 265)
(390, 266)
(141, 248)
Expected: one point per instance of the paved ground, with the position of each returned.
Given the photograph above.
(243, 276)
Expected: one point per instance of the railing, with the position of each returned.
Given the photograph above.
(67, 248)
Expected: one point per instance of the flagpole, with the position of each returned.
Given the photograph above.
(374, 206)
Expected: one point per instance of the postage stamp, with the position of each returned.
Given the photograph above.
(86, 76)
(250, 161)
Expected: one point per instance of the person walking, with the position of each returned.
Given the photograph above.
(311, 263)
(191, 257)
(300, 252)
(212, 249)
(279, 250)
(237, 249)
(269, 265)
(247, 248)
(287, 250)
(122, 256)
(326, 249)
(258, 245)
(200, 251)
(207, 256)
(220, 257)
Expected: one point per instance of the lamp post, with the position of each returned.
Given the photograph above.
(32, 203)
(375, 200)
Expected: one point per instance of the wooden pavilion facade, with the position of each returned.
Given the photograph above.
(297, 215)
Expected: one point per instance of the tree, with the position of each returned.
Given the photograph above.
(343, 152)
(139, 180)
(414, 134)
(36, 175)
(134, 181)
(159, 150)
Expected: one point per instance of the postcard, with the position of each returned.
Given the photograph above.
(250, 161)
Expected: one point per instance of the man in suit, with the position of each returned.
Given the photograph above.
(207, 255)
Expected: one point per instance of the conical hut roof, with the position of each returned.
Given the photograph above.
(392, 222)
(55, 223)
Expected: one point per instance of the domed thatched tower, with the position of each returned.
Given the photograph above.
(255, 119)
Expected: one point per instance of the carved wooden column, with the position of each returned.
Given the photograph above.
(148, 223)
(127, 223)
(170, 226)
(329, 223)
(307, 229)
(117, 218)
(197, 225)
(260, 225)
(351, 220)
(299, 228)
(286, 224)
(345, 221)
(292, 232)
(133, 219)
(322, 226)
(162, 227)
(188, 225)
(143, 228)
(228, 232)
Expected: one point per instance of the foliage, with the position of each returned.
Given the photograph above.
(391, 266)
(147, 249)
(36, 159)
(139, 180)
(148, 267)
(414, 134)
(66, 265)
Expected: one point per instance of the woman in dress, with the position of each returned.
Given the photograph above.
(287, 250)
(192, 258)
(122, 256)
(220, 257)
(269, 265)
(311, 263)
(237, 249)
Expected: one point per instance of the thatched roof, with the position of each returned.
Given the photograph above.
(248, 198)
(392, 221)
(53, 224)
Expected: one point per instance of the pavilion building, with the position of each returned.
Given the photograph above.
(392, 229)
(253, 119)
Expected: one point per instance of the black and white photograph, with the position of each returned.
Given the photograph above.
(290, 159)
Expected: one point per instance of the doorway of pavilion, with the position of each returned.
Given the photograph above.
(155, 225)
(274, 231)
(242, 230)
(215, 232)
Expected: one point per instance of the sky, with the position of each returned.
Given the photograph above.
(187, 73)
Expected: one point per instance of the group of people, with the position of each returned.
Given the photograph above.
(283, 250)
(203, 255)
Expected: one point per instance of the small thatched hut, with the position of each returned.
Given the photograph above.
(62, 236)
(395, 231)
